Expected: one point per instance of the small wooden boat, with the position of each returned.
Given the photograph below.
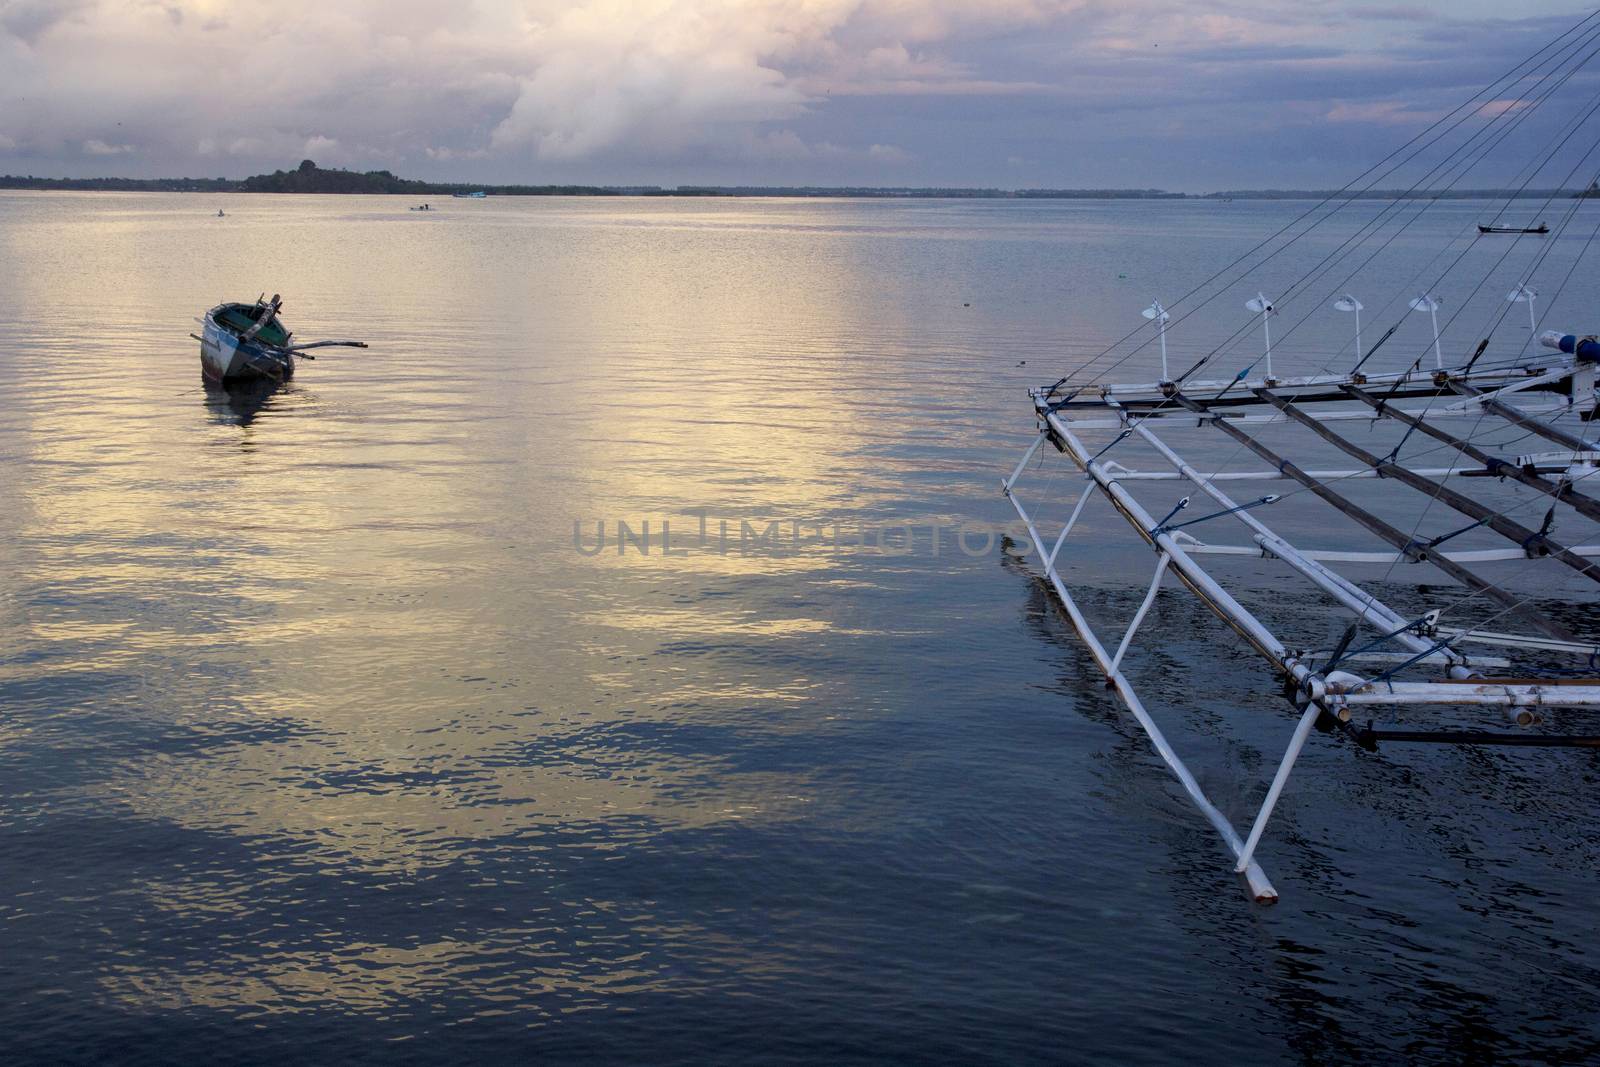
(241, 342)
(1541, 228)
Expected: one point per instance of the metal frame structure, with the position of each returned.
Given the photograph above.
(1322, 685)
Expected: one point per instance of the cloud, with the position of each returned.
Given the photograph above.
(28, 20)
(1377, 112)
(662, 75)
(672, 75)
(549, 81)
(775, 91)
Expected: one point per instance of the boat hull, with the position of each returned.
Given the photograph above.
(224, 357)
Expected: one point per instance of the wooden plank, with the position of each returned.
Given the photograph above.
(1530, 540)
(1564, 492)
(1527, 422)
(1513, 607)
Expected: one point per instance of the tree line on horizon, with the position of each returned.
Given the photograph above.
(310, 178)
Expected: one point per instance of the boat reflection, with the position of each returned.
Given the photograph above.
(238, 403)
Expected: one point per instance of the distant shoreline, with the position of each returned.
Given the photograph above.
(309, 178)
(10, 183)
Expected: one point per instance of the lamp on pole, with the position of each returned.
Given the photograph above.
(1430, 303)
(1350, 303)
(1158, 313)
(1263, 307)
(1525, 294)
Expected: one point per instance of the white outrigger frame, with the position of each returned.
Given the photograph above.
(1131, 408)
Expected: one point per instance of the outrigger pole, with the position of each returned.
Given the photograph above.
(1324, 687)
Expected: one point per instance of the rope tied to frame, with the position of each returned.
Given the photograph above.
(1419, 657)
(1442, 538)
(1415, 624)
(1164, 528)
(1537, 540)
(1115, 441)
(1362, 361)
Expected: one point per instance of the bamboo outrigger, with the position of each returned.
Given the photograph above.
(1328, 687)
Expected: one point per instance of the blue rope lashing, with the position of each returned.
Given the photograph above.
(1539, 535)
(1214, 515)
(1442, 538)
(1161, 526)
(1395, 451)
(1374, 348)
(1424, 654)
(1482, 346)
(1369, 646)
(1341, 648)
(1115, 441)
(1237, 378)
(1064, 401)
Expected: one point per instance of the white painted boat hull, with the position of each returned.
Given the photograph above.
(223, 357)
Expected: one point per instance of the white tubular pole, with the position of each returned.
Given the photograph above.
(1050, 563)
(1026, 456)
(1490, 378)
(1296, 743)
(1278, 476)
(1260, 888)
(1471, 403)
(1433, 312)
(1161, 322)
(1533, 324)
(1138, 617)
(1550, 407)
(1485, 694)
(1358, 331)
(1205, 587)
(1266, 327)
(1365, 605)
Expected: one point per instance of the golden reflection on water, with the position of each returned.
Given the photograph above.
(377, 558)
(359, 595)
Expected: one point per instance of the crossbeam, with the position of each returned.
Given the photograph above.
(1413, 382)
(1363, 604)
(1562, 491)
(1382, 529)
(1532, 541)
(1557, 407)
(1338, 555)
(1522, 419)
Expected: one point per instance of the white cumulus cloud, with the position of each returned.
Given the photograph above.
(553, 80)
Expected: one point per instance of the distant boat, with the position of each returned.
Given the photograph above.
(241, 342)
(470, 196)
(1541, 228)
(423, 207)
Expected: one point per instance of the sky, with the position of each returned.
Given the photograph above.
(1188, 97)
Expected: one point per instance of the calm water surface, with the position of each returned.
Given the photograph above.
(319, 737)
